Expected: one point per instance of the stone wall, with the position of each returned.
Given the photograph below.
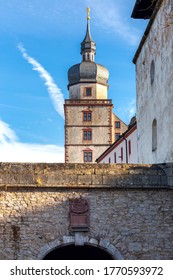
(154, 59)
(131, 213)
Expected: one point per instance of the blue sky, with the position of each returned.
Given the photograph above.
(40, 41)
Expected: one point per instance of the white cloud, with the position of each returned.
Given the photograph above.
(7, 135)
(12, 150)
(54, 91)
(109, 16)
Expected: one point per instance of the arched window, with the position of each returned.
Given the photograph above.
(154, 135)
(152, 72)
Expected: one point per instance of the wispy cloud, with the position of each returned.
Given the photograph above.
(7, 135)
(131, 110)
(127, 113)
(110, 17)
(53, 90)
(12, 150)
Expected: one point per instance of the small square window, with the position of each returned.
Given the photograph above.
(87, 156)
(117, 124)
(87, 135)
(87, 116)
(88, 91)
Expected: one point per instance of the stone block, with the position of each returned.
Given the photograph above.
(163, 180)
(141, 179)
(80, 239)
(136, 247)
(63, 180)
(155, 180)
(93, 241)
(97, 180)
(170, 181)
(84, 180)
(68, 239)
(104, 243)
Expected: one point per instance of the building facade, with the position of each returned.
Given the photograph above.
(90, 125)
(123, 150)
(153, 60)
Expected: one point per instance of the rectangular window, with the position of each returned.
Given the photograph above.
(117, 136)
(87, 156)
(121, 154)
(129, 147)
(87, 135)
(86, 116)
(117, 124)
(109, 160)
(115, 157)
(88, 91)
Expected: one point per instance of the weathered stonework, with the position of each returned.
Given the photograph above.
(131, 209)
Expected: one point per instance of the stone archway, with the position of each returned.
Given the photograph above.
(72, 252)
(82, 245)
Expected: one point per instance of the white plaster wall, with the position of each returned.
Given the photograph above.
(155, 101)
(131, 158)
(118, 154)
(101, 92)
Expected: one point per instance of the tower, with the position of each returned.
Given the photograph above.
(89, 128)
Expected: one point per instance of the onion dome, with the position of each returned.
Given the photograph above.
(88, 70)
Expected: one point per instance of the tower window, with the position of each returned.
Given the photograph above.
(87, 135)
(88, 91)
(154, 135)
(117, 125)
(86, 116)
(87, 156)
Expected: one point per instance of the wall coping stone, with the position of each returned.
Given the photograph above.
(43, 176)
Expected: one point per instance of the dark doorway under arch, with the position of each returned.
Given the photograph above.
(72, 252)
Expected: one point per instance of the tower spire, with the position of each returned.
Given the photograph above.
(88, 46)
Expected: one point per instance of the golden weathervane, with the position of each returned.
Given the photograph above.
(88, 13)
